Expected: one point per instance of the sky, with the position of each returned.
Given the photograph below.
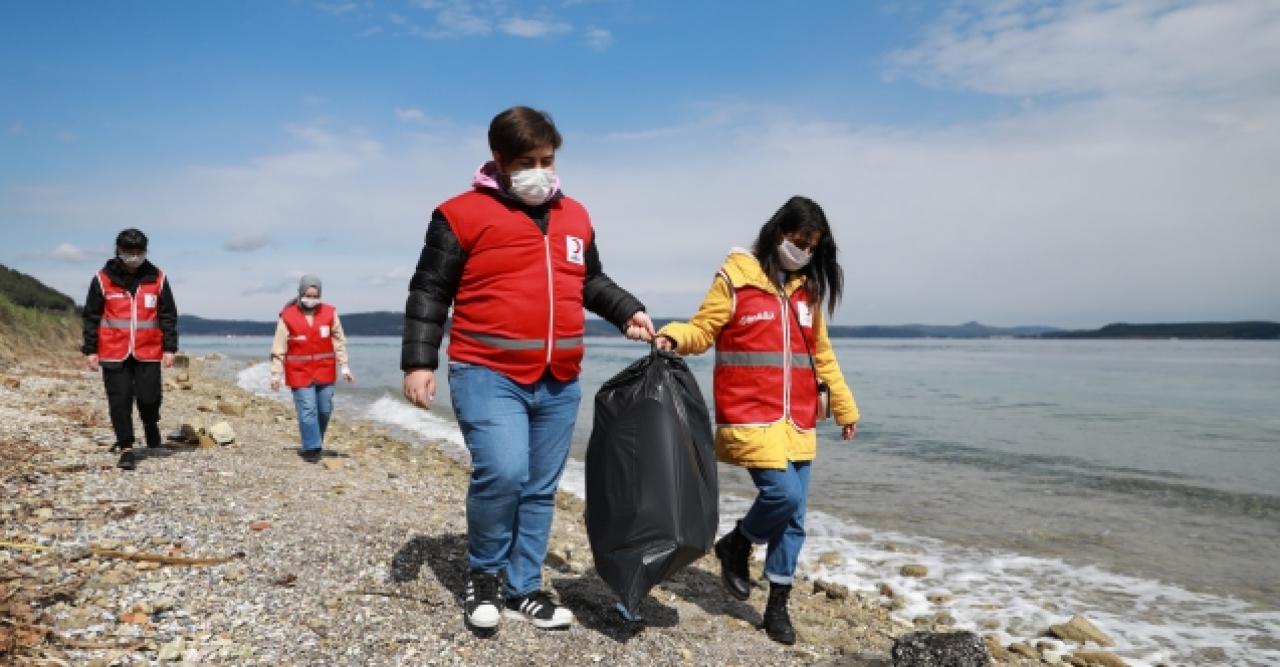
(1011, 162)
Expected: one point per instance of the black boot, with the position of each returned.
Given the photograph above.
(734, 552)
(777, 622)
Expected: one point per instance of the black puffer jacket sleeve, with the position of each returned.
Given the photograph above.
(91, 317)
(604, 297)
(431, 292)
(168, 316)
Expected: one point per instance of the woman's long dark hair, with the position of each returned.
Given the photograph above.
(824, 277)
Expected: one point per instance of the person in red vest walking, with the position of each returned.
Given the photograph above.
(774, 361)
(130, 330)
(517, 260)
(308, 350)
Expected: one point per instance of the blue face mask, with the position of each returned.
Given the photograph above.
(132, 260)
(309, 302)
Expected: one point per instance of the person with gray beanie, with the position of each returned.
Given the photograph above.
(308, 350)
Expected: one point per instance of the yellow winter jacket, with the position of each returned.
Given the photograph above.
(774, 445)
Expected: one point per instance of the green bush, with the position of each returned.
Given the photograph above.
(23, 290)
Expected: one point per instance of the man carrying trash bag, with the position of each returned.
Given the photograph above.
(651, 477)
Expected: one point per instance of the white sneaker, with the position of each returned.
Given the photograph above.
(481, 604)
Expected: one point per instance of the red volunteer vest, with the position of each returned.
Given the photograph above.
(518, 309)
(764, 372)
(130, 323)
(309, 357)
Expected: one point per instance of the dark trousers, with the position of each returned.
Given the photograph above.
(126, 381)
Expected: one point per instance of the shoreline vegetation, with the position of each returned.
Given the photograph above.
(387, 323)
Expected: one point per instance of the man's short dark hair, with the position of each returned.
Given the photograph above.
(131, 239)
(519, 130)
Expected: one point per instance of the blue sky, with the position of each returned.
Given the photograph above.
(1010, 162)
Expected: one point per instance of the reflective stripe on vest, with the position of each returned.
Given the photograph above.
(521, 343)
(762, 359)
(125, 324)
(309, 357)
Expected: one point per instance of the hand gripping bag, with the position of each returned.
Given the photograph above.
(651, 477)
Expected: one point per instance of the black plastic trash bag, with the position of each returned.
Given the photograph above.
(651, 477)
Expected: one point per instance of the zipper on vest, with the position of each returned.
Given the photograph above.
(786, 355)
(133, 323)
(551, 294)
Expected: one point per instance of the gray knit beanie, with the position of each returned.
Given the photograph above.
(307, 282)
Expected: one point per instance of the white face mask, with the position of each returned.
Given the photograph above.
(131, 260)
(309, 302)
(533, 186)
(791, 257)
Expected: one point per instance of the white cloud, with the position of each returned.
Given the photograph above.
(247, 242)
(415, 116)
(598, 38)
(68, 252)
(410, 115)
(1099, 46)
(456, 18)
(533, 28)
(337, 8)
(467, 18)
(397, 277)
(286, 284)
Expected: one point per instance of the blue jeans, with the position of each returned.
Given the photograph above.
(518, 435)
(314, 405)
(777, 517)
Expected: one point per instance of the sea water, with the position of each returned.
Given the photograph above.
(1135, 482)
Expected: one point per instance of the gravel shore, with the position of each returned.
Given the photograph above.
(359, 559)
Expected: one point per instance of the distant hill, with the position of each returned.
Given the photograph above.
(389, 323)
(23, 290)
(1191, 330)
(966, 330)
(377, 323)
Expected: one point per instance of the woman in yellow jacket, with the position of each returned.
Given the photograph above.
(774, 366)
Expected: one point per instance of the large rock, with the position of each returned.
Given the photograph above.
(940, 649)
(192, 428)
(231, 408)
(1100, 658)
(833, 590)
(914, 570)
(1080, 629)
(222, 433)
